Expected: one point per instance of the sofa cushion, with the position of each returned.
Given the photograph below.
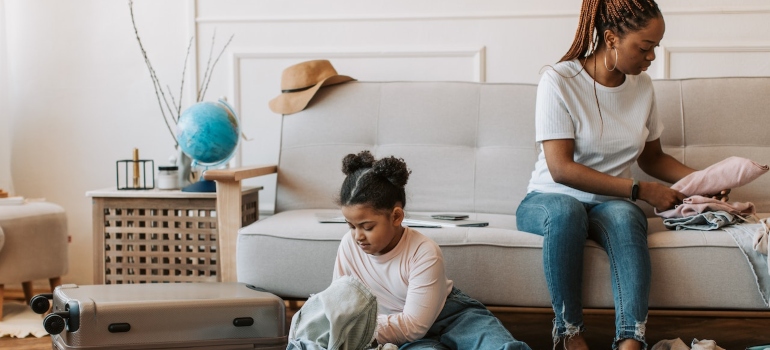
(502, 266)
(477, 139)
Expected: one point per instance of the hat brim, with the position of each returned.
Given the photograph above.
(293, 102)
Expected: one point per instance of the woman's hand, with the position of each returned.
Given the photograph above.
(723, 195)
(659, 196)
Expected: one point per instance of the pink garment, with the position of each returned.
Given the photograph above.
(730, 173)
(409, 282)
(695, 205)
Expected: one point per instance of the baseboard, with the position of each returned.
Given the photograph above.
(651, 312)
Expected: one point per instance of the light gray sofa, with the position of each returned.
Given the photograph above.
(471, 148)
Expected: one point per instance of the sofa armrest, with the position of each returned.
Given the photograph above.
(238, 174)
(229, 211)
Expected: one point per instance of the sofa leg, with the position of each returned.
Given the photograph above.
(27, 286)
(2, 296)
(54, 282)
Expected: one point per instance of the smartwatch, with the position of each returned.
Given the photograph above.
(634, 190)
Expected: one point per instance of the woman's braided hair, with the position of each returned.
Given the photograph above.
(596, 16)
(377, 183)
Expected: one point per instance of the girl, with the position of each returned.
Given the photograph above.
(418, 306)
(595, 117)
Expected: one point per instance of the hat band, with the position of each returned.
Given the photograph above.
(297, 90)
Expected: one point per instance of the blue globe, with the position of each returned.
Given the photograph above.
(208, 132)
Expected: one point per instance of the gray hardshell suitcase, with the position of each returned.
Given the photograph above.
(163, 316)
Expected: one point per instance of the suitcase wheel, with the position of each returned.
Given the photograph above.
(53, 324)
(56, 322)
(40, 304)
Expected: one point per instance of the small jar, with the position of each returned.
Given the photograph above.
(168, 178)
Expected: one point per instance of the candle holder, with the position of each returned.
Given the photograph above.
(141, 178)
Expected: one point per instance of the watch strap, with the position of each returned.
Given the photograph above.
(634, 190)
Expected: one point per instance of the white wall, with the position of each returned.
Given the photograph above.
(80, 96)
(6, 182)
(486, 40)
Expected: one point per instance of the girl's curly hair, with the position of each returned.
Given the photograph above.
(377, 183)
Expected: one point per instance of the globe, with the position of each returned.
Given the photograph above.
(208, 133)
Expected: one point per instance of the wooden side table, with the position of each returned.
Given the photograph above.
(156, 236)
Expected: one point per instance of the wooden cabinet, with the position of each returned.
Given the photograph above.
(159, 236)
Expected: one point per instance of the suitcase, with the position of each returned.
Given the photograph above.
(215, 316)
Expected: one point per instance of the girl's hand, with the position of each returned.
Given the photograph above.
(659, 196)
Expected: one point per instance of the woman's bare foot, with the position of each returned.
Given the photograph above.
(629, 344)
(576, 342)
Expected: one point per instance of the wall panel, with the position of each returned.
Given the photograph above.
(737, 61)
(256, 76)
(487, 40)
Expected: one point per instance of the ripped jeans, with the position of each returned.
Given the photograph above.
(466, 324)
(620, 227)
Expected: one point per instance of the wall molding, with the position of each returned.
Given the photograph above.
(455, 16)
(667, 51)
(478, 54)
(238, 55)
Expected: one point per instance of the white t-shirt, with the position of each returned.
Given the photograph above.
(566, 109)
(409, 282)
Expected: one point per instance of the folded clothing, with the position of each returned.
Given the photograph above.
(762, 238)
(707, 221)
(695, 205)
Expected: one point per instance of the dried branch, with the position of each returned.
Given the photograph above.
(175, 109)
(155, 82)
(173, 102)
(181, 88)
(208, 65)
(206, 81)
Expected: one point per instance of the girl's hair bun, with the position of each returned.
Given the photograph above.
(353, 162)
(393, 169)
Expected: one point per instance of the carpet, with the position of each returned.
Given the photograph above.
(20, 321)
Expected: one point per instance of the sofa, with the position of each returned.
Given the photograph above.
(471, 149)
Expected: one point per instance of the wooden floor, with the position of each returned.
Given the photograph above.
(729, 333)
(535, 330)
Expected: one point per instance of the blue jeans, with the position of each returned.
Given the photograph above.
(620, 227)
(465, 324)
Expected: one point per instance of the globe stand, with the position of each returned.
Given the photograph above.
(201, 186)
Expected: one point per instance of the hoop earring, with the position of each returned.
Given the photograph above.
(616, 60)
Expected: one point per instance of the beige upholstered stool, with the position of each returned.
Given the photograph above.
(35, 245)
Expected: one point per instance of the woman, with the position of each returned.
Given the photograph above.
(595, 117)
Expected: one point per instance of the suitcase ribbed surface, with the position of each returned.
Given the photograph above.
(162, 315)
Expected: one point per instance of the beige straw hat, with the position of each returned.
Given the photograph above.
(300, 82)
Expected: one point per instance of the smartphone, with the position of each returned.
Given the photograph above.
(449, 216)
